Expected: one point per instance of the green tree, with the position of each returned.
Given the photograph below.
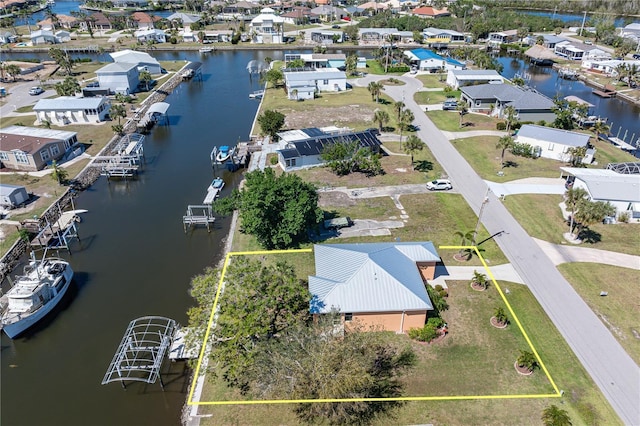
(351, 63)
(466, 238)
(500, 315)
(273, 77)
(58, 173)
(67, 87)
(118, 129)
(413, 145)
(277, 210)
(271, 122)
(600, 127)
(62, 59)
(462, 111)
(511, 116)
(145, 77)
(480, 279)
(296, 63)
(504, 143)
(117, 111)
(573, 198)
(375, 89)
(590, 212)
(398, 107)
(381, 117)
(13, 70)
(527, 360)
(576, 154)
(345, 157)
(554, 416)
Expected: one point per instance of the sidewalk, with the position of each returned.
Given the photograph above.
(565, 254)
(504, 272)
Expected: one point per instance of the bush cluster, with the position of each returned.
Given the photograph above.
(501, 125)
(428, 332)
(398, 68)
(523, 150)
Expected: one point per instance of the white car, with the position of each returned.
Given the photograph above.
(36, 91)
(439, 185)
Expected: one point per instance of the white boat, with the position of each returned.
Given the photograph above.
(205, 50)
(257, 94)
(217, 184)
(224, 153)
(51, 3)
(35, 294)
(188, 73)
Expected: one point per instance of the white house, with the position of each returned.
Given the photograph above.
(318, 60)
(435, 37)
(143, 60)
(185, 18)
(151, 34)
(7, 37)
(326, 36)
(71, 110)
(267, 27)
(457, 78)
(608, 67)
(631, 31)
(554, 143)
(63, 36)
(43, 37)
(428, 60)
(304, 84)
(119, 77)
(579, 51)
(621, 190)
(502, 37)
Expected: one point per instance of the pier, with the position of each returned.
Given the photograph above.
(198, 215)
(57, 235)
(128, 158)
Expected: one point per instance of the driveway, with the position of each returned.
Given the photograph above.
(611, 368)
(19, 96)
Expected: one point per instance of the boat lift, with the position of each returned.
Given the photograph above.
(198, 215)
(142, 351)
(128, 158)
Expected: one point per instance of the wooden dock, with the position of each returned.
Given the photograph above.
(607, 91)
(198, 215)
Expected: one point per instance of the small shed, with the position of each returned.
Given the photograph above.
(12, 195)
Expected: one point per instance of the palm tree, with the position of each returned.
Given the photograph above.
(406, 118)
(500, 315)
(480, 279)
(527, 360)
(576, 154)
(510, 115)
(573, 198)
(413, 145)
(504, 143)
(466, 238)
(58, 173)
(554, 416)
(398, 107)
(375, 89)
(145, 77)
(462, 110)
(381, 117)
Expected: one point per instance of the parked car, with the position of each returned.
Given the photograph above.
(588, 42)
(93, 84)
(450, 105)
(636, 56)
(335, 26)
(439, 185)
(36, 91)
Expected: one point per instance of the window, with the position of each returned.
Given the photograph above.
(4, 156)
(325, 82)
(55, 150)
(21, 157)
(291, 163)
(44, 154)
(348, 317)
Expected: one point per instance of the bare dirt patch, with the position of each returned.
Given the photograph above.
(335, 198)
(328, 116)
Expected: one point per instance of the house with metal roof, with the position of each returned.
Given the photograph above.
(440, 38)
(267, 27)
(494, 98)
(548, 40)
(620, 189)
(150, 34)
(12, 196)
(119, 77)
(458, 78)
(428, 60)
(502, 37)
(71, 110)
(304, 83)
(317, 60)
(43, 37)
(554, 143)
(304, 150)
(143, 60)
(379, 286)
(31, 148)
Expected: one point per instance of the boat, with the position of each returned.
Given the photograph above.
(51, 2)
(188, 73)
(205, 50)
(213, 191)
(257, 94)
(224, 153)
(217, 184)
(568, 74)
(35, 293)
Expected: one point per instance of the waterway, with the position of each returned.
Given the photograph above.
(133, 260)
(623, 116)
(576, 19)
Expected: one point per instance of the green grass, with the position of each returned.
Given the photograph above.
(429, 98)
(450, 121)
(540, 216)
(432, 80)
(481, 153)
(619, 309)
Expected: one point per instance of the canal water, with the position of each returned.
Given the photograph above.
(133, 260)
(623, 116)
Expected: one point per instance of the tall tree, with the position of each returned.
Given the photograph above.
(13, 70)
(504, 143)
(573, 198)
(67, 87)
(117, 111)
(273, 77)
(351, 63)
(398, 107)
(62, 59)
(375, 89)
(576, 154)
(554, 416)
(413, 145)
(277, 210)
(145, 77)
(510, 114)
(58, 173)
(381, 117)
(271, 123)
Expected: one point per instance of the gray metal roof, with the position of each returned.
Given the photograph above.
(431, 30)
(319, 74)
(518, 97)
(116, 67)
(372, 277)
(474, 74)
(558, 136)
(66, 103)
(607, 185)
(6, 189)
(38, 132)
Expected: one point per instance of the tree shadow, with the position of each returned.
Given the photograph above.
(423, 166)
(589, 236)
(510, 163)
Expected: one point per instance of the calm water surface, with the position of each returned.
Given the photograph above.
(133, 260)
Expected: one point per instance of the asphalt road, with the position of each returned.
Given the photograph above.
(611, 368)
(19, 96)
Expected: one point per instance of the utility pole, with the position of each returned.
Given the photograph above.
(485, 201)
(583, 21)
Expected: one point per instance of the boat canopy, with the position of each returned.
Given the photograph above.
(158, 108)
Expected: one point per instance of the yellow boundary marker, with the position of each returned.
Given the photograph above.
(203, 350)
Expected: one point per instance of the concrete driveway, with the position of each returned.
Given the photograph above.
(19, 96)
(611, 368)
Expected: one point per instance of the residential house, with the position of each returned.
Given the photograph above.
(494, 98)
(143, 60)
(303, 84)
(151, 34)
(63, 36)
(7, 37)
(98, 21)
(438, 38)
(326, 37)
(580, 51)
(317, 60)
(12, 196)
(71, 110)
(502, 37)
(428, 60)
(31, 148)
(119, 77)
(143, 21)
(300, 15)
(185, 19)
(304, 148)
(62, 21)
(241, 8)
(220, 36)
(376, 36)
(631, 32)
(608, 185)
(43, 37)
(329, 13)
(267, 27)
(609, 68)
(430, 12)
(373, 7)
(458, 78)
(554, 144)
(379, 286)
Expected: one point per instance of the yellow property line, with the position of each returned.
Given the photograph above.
(203, 350)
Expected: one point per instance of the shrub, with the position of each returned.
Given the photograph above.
(273, 160)
(173, 40)
(500, 315)
(527, 360)
(523, 150)
(398, 68)
(501, 125)
(435, 322)
(443, 293)
(542, 123)
(438, 288)
(623, 217)
(424, 334)
(448, 89)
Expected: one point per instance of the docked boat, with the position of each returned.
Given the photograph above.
(224, 153)
(188, 73)
(205, 50)
(257, 94)
(217, 184)
(35, 294)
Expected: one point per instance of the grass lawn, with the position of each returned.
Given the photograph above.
(432, 81)
(428, 98)
(450, 121)
(481, 153)
(474, 359)
(540, 216)
(619, 310)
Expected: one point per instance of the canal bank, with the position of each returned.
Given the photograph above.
(133, 260)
